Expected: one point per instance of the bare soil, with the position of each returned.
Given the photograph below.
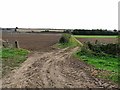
(54, 69)
(32, 41)
(100, 40)
(48, 67)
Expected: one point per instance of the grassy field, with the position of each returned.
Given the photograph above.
(11, 58)
(93, 36)
(100, 39)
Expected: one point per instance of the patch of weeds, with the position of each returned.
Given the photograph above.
(11, 58)
(100, 61)
(67, 40)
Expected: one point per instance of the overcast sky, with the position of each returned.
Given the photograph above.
(69, 14)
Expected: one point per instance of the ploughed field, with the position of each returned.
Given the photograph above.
(100, 39)
(56, 68)
(32, 41)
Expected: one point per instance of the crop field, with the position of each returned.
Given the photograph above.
(32, 41)
(100, 39)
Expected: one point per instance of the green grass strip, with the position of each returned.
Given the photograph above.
(94, 36)
(11, 58)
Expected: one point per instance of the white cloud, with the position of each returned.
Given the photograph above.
(59, 13)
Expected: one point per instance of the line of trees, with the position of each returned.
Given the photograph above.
(94, 32)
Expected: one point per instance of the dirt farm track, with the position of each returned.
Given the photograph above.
(56, 68)
(32, 41)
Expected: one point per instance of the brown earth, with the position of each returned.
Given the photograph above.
(100, 40)
(32, 41)
(54, 69)
(48, 67)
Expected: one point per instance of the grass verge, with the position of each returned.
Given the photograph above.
(70, 41)
(107, 64)
(11, 58)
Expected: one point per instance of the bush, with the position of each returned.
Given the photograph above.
(65, 38)
(85, 51)
(112, 49)
(94, 47)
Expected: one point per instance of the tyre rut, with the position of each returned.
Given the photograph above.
(55, 69)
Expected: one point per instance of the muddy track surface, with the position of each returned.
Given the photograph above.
(53, 69)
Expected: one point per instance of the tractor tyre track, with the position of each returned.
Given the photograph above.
(54, 69)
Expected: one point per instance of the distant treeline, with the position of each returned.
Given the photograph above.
(94, 32)
(74, 31)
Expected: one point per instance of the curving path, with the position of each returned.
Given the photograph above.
(53, 69)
